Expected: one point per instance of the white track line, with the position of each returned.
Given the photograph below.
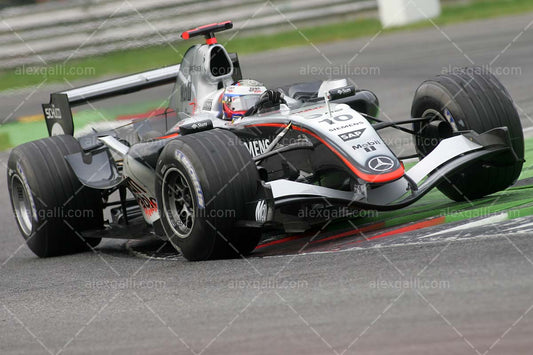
(482, 222)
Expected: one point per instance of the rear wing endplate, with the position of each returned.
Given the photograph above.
(58, 113)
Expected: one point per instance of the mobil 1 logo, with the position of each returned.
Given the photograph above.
(368, 146)
(348, 136)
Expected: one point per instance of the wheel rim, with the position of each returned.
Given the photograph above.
(437, 129)
(21, 205)
(440, 117)
(178, 202)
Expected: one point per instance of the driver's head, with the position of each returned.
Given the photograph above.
(240, 97)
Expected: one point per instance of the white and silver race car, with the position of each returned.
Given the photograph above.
(212, 187)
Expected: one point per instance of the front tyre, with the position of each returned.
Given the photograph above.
(51, 206)
(470, 99)
(203, 182)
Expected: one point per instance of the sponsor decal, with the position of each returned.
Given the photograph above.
(348, 136)
(352, 124)
(147, 203)
(448, 115)
(257, 147)
(368, 146)
(261, 210)
(52, 113)
(380, 163)
(200, 125)
(342, 91)
(195, 181)
(28, 191)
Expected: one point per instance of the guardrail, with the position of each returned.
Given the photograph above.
(34, 35)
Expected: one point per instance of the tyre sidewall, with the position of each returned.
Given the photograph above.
(200, 241)
(18, 167)
(54, 232)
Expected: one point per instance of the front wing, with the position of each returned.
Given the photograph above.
(451, 156)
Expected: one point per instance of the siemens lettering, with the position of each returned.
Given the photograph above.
(257, 147)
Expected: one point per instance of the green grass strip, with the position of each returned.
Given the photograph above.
(468, 214)
(519, 213)
(5, 142)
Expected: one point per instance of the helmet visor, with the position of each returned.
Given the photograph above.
(240, 102)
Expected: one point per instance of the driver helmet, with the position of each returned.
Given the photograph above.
(240, 97)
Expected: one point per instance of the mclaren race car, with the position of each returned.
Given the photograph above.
(212, 184)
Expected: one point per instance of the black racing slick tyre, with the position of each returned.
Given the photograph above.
(51, 206)
(203, 182)
(470, 99)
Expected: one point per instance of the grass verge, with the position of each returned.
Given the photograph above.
(150, 57)
(5, 143)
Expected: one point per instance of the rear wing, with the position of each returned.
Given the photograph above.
(58, 112)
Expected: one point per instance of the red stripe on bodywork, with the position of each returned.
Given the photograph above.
(169, 136)
(398, 173)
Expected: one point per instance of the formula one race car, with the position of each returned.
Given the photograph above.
(229, 159)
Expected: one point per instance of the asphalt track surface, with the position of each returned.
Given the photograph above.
(413, 283)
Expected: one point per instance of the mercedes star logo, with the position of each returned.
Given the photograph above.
(380, 163)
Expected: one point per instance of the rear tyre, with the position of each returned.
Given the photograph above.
(51, 206)
(470, 99)
(203, 183)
